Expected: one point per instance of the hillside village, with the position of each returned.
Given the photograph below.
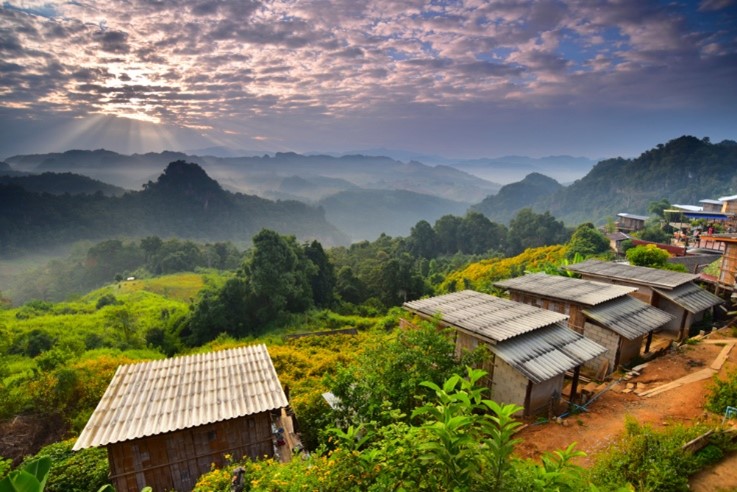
(630, 320)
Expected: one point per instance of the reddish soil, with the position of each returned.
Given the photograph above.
(597, 428)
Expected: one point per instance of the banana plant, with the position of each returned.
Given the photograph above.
(31, 478)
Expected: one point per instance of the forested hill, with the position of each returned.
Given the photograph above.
(182, 202)
(60, 183)
(684, 170)
(513, 197)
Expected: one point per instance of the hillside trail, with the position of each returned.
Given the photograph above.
(596, 429)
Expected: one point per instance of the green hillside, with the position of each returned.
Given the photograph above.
(684, 170)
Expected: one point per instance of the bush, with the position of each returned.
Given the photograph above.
(722, 393)
(649, 460)
(79, 471)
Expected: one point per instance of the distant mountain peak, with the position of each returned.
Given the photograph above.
(187, 181)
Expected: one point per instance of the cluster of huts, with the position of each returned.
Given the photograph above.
(165, 422)
(554, 325)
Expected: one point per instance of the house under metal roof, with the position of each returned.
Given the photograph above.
(691, 297)
(628, 317)
(625, 215)
(547, 352)
(488, 317)
(653, 277)
(586, 292)
(166, 395)
(530, 339)
(711, 201)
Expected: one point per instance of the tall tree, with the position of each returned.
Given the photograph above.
(531, 230)
(322, 277)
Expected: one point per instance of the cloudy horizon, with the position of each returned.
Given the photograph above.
(467, 78)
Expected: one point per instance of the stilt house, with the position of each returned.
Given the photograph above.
(600, 312)
(531, 348)
(672, 292)
(165, 422)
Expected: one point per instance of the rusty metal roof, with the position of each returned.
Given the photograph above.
(547, 352)
(491, 318)
(628, 317)
(653, 277)
(586, 292)
(166, 395)
(691, 297)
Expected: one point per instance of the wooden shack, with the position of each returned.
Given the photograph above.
(604, 313)
(630, 222)
(165, 422)
(669, 291)
(729, 204)
(531, 348)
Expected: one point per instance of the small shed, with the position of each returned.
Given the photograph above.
(604, 313)
(165, 422)
(630, 222)
(672, 292)
(615, 241)
(531, 348)
(709, 205)
(729, 204)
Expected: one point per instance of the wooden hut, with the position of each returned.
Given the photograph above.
(630, 222)
(165, 422)
(672, 292)
(531, 348)
(604, 313)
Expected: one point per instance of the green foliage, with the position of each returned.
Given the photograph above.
(390, 374)
(722, 393)
(587, 241)
(80, 471)
(648, 256)
(650, 460)
(458, 441)
(531, 230)
(30, 478)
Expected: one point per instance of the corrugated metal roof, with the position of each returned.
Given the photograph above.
(586, 292)
(690, 208)
(727, 198)
(632, 216)
(636, 274)
(489, 317)
(691, 297)
(617, 236)
(547, 352)
(628, 317)
(160, 396)
(710, 201)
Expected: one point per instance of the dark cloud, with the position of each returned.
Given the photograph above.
(113, 41)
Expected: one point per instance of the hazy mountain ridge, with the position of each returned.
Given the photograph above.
(263, 175)
(513, 197)
(60, 183)
(365, 214)
(183, 202)
(684, 170)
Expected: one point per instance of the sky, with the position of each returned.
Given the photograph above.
(464, 79)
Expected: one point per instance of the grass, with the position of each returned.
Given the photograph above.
(181, 286)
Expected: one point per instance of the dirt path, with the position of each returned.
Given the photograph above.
(596, 429)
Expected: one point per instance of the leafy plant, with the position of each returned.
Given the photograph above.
(31, 478)
(722, 393)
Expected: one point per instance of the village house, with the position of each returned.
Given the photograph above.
(672, 292)
(604, 313)
(531, 348)
(729, 204)
(616, 240)
(164, 422)
(709, 205)
(630, 222)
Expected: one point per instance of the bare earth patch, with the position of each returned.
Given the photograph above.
(599, 427)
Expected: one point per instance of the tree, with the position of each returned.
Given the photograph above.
(648, 256)
(322, 277)
(587, 241)
(423, 241)
(531, 230)
(658, 207)
(278, 276)
(446, 229)
(478, 235)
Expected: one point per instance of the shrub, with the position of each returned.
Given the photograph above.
(79, 471)
(722, 393)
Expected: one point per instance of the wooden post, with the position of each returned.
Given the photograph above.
(648, 342)
(574, 383)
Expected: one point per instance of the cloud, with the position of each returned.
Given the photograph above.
(210, 63)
